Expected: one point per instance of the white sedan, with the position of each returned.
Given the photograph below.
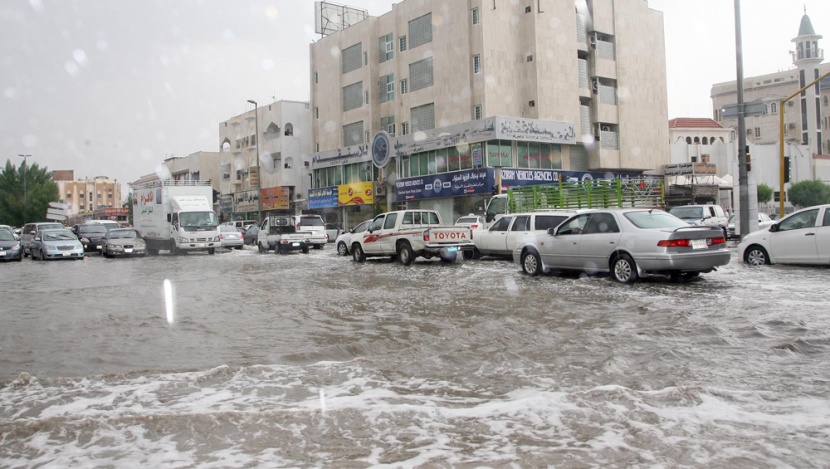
(802, 237)
(764, 221)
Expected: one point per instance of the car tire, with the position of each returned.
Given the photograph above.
(624, 269)
(469, 255)
(342, 249)
(238, 248)
(305, 249)
(405, 254)
(531, 263)
(756, 255)
(357, 253)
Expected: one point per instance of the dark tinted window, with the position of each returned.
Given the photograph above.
(543, 222)
(522, 223)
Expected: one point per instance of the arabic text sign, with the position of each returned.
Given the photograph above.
(322, 197)
(458, 183)
(275, 198)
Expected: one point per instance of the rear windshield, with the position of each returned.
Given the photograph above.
(90, 229)
(124, 234)
(311, 221)
(468, 220)
(688, 213)
(654, 219)
(49, 226)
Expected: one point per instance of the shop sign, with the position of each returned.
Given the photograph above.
(454, 184)
(358, 193)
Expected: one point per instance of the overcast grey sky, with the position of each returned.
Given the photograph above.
(113, 87)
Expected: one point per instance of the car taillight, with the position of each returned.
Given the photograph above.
(426, 235)
(674, 243)
(719, 240)
(473, 227)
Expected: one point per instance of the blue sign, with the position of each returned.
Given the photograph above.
(458, 183)
(322, 197)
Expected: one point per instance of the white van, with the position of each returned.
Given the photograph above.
(316, 225)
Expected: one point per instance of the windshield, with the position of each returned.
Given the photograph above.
(197, 219)
(123, 234)
(228, 229)
(497, 206)
(92, 229)
(654, 219)
(58, 235)
(6, 235)
(687, 213)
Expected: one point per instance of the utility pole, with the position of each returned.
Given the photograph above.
(743, 180)
(258, 173)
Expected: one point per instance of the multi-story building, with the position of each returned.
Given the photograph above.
(471, 97)
(280, 177)
(88, 194)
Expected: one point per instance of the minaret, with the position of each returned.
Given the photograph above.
(807, 57)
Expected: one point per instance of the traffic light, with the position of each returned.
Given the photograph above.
(748, 160)
(786, 169)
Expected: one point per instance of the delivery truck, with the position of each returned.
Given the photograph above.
(175, 216)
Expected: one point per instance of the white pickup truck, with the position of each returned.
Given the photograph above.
(407, 234)
(279, 234)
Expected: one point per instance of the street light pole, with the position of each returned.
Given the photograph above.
(25, 171)
(258, 173)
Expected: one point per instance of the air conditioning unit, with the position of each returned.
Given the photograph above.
(298, 197)
(595, 85)
(592, 39)
(605, 128)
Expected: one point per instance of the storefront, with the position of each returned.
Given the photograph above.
(345, 205)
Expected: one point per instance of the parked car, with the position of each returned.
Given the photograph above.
(123, 242)
(9, 245)
(108, 224)
(231, 237)
(332, 232)
(705, 215)
(250, 235)
(731, 233)
(343, 242)
(91, 235)
(241, 225)
(56, 244)
(803, 237)
(508, 231)
(475, 222)
(29, 230)
(313, 223)
(629, 243)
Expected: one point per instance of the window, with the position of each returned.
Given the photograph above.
(390, 221)
(477, 112)
(420, 31)
(366, 58)
(404, 86)
(353, 134)
(474, 16)
(368, 137)
(404, 128)
(316, 112)
(351, 96)
(802, 220)
(316, 80)
(421, 74)
(388, 124)
(773, 108)
(386, 48)
(522, 223)
(423, 117)
(366, 97)
(350, 58)
(757, 132)
(476, 63)
(402, 43)
(386, 85)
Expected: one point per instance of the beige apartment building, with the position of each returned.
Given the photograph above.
(471, 97)
(265, 153)
(88, 194)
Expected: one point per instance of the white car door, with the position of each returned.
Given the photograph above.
(488, 241)
(519, 231)
(795, 240)
(372, 237)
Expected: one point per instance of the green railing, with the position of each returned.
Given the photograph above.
(633, 192)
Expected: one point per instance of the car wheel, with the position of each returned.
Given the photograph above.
(405, 254)
(357, 253)
(211, 251)
(531, 263)
(625, 270)
(468, 255)
(756, 255)
(342, 249)
(305, 250)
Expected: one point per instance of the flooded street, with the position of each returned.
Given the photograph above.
(315, 360)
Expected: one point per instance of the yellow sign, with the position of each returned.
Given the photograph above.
(276, 198)
(356, 193)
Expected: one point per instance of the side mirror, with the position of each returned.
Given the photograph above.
(773, 228)
(551, 231)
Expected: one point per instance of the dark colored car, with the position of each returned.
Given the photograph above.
(251, 233)
(10, 249)
(91, 236)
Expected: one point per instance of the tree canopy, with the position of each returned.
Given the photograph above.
(25, 193)
(809, 193)
(764, 193)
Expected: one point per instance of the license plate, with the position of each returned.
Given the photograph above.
(295, 244)
(97, 247)
(698, 244)
(2, 253)
(452, 249)
(66, 254)
(201, 245)
(128, 250)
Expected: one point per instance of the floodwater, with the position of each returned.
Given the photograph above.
(314, 360)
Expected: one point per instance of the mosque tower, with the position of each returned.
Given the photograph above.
(807, 57)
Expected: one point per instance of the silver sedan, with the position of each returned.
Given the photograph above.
(628, 243)
(56, 244)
